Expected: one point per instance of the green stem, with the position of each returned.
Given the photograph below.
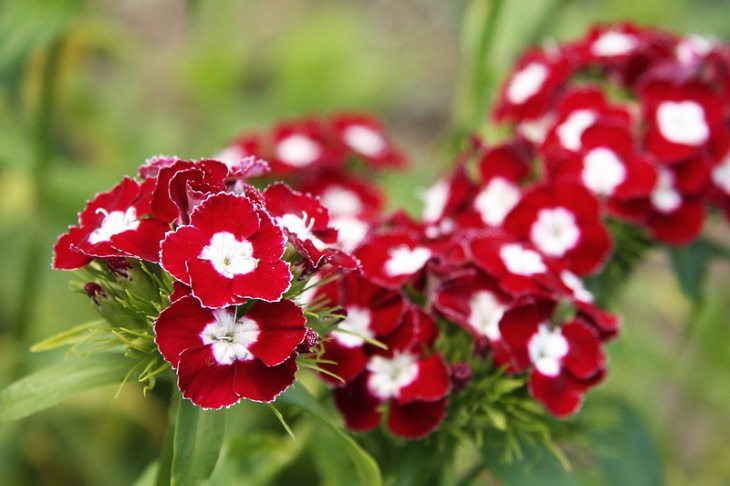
(168, 444)
(35, 256)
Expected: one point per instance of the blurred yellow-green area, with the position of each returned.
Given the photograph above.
(90, 88)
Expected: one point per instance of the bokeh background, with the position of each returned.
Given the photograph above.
(131, 79)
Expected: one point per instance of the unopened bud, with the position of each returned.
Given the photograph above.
(310, 340)
(461, 375)
(94, 291)
(120, 266)
(483, 347)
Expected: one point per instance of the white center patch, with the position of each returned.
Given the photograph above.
(603, 171)
(521, 261)
(350, 232)
(485, 313)
(570, 131)
(402, 260)
(683, 122)
(613, 43)
(230, 338)
(526, 83)
(229, 256)
(555, 231)
(341, 202)
(364, 140)
(298, 150)
(665, 197)
(231, 156)
(496, 200)
(546, 349)
(114, 223)
(301, 228)
(434, 201)
(388, 376)
(721, 175)
(357, 325)
(575, 284)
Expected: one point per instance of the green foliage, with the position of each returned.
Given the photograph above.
(198, 440)
(690, 264)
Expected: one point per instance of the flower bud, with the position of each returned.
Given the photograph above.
(461, 374)
(94, 291)
(310, 340)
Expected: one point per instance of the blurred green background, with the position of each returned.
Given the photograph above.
(89, 89)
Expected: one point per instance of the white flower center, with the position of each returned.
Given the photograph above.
(435, 199)
(536, 130)
(357, 327)
(388, 376)
(496, 200)
(114, 223)
(547, 349)
(555, 231)
(721, 175)
(575, 284)
(485, 313)
(683, 122)
(341, 202)
(229, 256)
(665, 197)
(230, 338)
(692, 47)
(298, 150)
(403, 260)
(521, 261)
(570, 131)
(603, 171)
(301, 228)
(364, 140)
(526, 82)
(613, 43)
(231, 156)
(350, 232)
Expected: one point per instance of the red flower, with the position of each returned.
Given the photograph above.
(343, 195)
(301, 145)
(392, 259)
(230, 251)
(364, 135)
(306, 222)
(220, 358)
(114, 224)
(565, 360)
(564, 222)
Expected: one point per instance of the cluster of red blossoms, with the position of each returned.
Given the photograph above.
(627, 123)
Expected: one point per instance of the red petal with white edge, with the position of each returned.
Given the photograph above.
(144, 242)
(210, 287)
(281, 329)
(431, 383)
(681, 226)
(268, 282)
(205, 382)
(519, 324)
(392, 259)
(358, 407)
(591, 252)
(282, 199)
(415, 420)
(121, 197)
(348, 362)
(226, 212)
(561, 395)
(179, 290)
(260, 383)
(585, 356)
(178, 328)
(269, 241)
(179, 247)
(386, 306)
(65, 254)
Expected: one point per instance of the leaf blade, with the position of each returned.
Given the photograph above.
(197, 444)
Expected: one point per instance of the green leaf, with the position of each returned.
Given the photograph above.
(690, 264)
(198, 441)
(537, 465)
(366, 467)
(626, 451)
(56, 383)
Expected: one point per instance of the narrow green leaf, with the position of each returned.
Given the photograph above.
(366, 467)
(690, 264)
(626, 451)
(538, 465)
(198, 441)
(50, 386)
(69, 336)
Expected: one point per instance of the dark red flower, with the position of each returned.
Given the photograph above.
(364, 135)
(220, 357)
(392, 259)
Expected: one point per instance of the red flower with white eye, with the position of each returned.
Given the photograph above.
(114, 224)
(563, 221)
(607, 164)
(245, 147)
(152, 166)
(392, 259)
(613, 43)
(230, 251)
(344, 196)
(532, 87)
(306, 222)
(185, 184)
(220, 357)
(684, 120)
(301, 145)
(414, 386)
(578, 110)
(373, 312)
(364, 135)
(565, 360)
(447, 204)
